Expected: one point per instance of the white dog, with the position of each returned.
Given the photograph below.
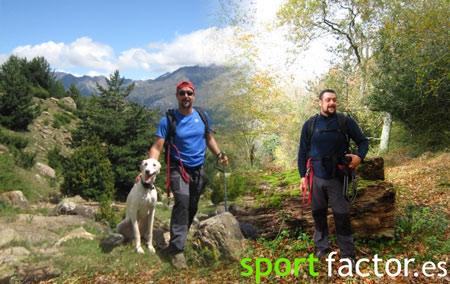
(141, 203)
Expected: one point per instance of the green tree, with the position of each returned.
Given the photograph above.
(411, 76)
(114, 95)
(39, 73)
(125, 127)
(16, 105)
(88, 172)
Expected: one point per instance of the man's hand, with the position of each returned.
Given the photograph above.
(137, 178)
(222, 158)
(356, 160)
(303, 183)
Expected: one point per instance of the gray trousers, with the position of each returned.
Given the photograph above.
(186, 197)
(329, 191)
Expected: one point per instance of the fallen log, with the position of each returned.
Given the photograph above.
(372, 213)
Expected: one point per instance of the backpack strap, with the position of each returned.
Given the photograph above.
(202, 114)
(343, 128)
(311, 124)
(172, 124)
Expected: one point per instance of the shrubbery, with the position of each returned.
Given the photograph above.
(88, 172)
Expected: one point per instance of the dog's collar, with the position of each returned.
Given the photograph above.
(147, 185)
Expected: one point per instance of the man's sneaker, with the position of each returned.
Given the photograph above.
(178, 261)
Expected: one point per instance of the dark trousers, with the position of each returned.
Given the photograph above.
(186, 197)
(329, 191)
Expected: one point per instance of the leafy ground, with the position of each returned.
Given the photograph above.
(422, 233)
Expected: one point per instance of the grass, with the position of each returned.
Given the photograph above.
(85, 258)
(13, 177)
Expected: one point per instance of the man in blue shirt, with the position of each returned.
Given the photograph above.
(187, 150)
(327, 146)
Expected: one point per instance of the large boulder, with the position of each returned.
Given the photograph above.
(219, 237)
(45, 170)
(74, 206)
(8, 235)
(78, 233)
(14, 198)
(13, 255)
(68, 102)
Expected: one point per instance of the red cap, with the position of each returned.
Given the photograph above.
(183, 84)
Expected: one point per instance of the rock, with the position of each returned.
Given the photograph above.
(37, 274)
(45, 170)
(65, 207)
(14, 198)
(3, 149)
(13, 255)
(72, 206)
(220, 209)
(110, 242)
(69, 103)
(161, 238)
(249, 231)
(202, 216)
(8, 235)
(221, 237)
(76, 199)
(79, 233)
(372, 169)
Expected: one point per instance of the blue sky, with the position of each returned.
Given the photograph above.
(120, 25)
(146, 38)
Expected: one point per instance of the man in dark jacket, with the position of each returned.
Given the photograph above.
(325, 141)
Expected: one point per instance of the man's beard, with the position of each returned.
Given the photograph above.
(186, 104)
(330, 110)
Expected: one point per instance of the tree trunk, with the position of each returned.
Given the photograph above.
(384, 142)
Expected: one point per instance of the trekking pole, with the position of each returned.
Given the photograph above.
(223, 170)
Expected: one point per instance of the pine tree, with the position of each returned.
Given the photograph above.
(16, 106)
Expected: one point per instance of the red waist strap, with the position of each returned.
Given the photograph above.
(184, 174)
(307, 188)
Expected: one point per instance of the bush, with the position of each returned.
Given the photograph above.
(108, 214)
(25, 160)
(89, 173)
(55, 159)
(420, 222)
(236, 186)
(13, 140)
(61, 119)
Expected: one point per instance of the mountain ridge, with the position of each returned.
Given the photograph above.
(159, 92)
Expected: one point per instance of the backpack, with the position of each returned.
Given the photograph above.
(169, 141)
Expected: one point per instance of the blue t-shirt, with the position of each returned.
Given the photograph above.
(189, 137)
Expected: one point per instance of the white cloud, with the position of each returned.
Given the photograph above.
(271, 50)
(202, 47)
(81, 53)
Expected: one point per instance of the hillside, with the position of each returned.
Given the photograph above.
(211, 82)
(48, 132)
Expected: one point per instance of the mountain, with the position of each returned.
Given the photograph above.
(211, 82)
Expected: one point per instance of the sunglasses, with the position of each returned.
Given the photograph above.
(183, 93)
